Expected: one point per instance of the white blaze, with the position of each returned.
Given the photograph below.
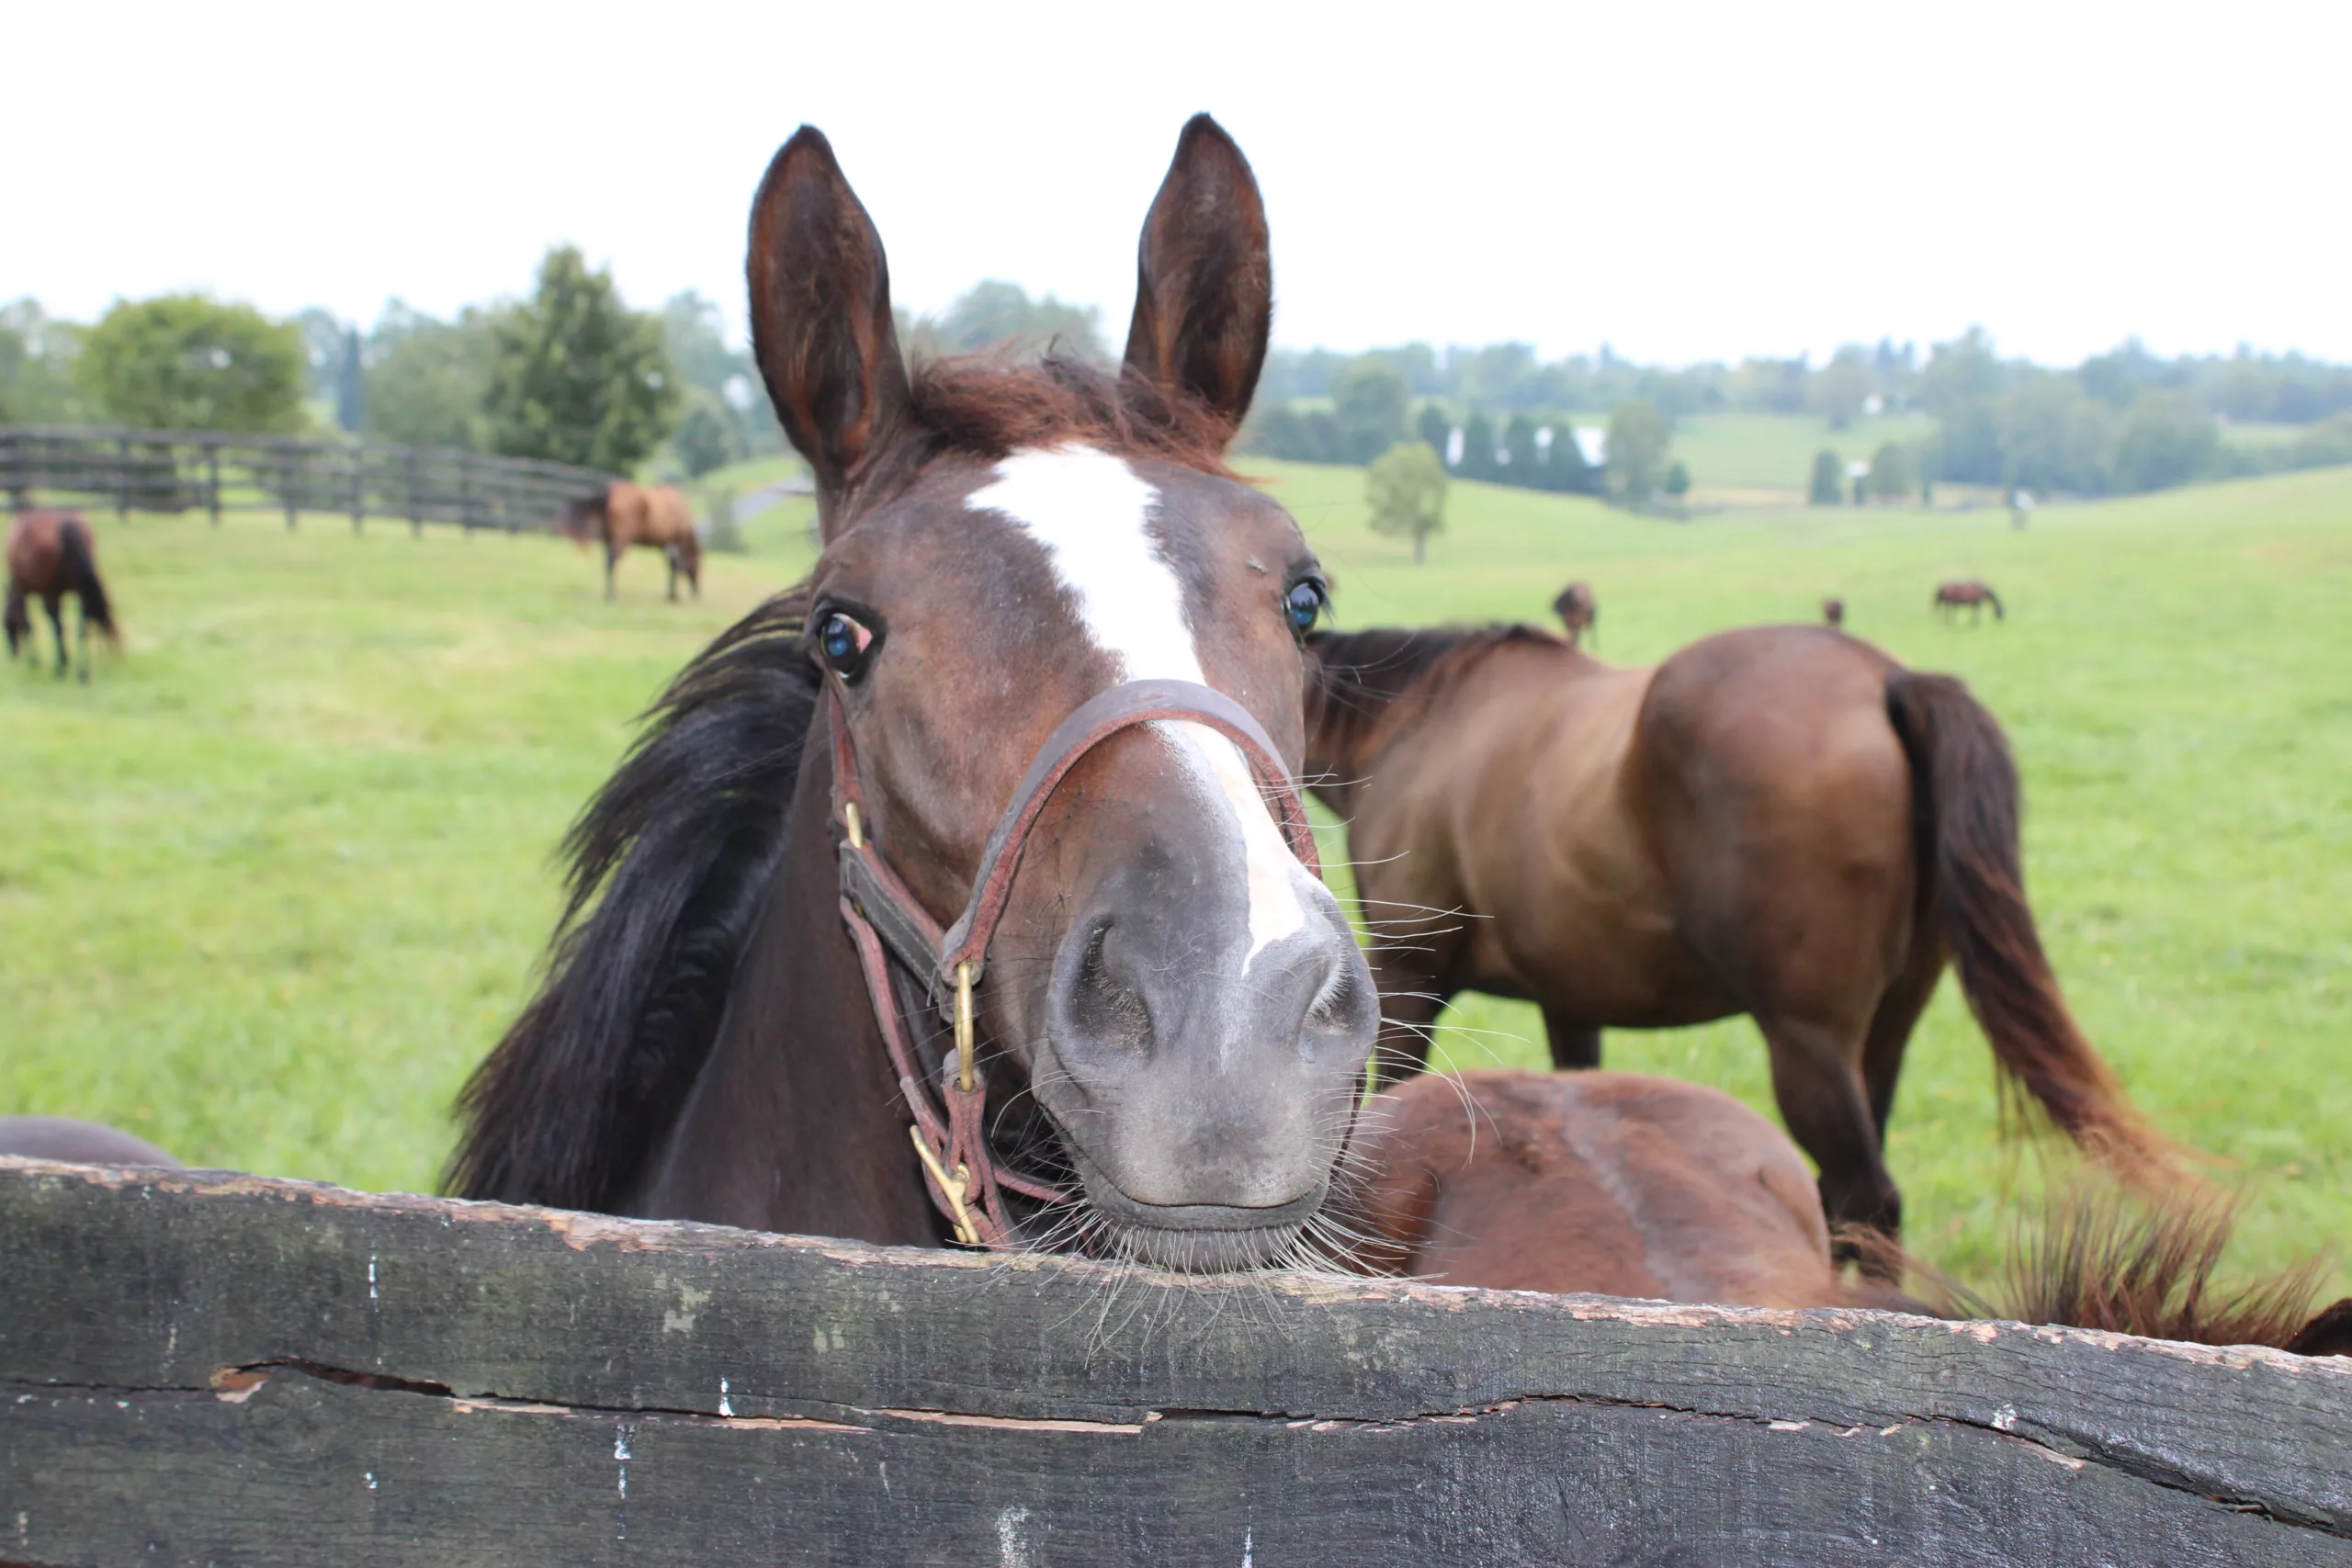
(1088, 509)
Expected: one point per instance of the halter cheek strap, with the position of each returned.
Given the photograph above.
(886, 921)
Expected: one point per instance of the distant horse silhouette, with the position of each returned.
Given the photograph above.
(1780, 821)
(623, 514)
(1626, 1185)
(1972, 596)
(1832, 611)
(1579, 612)
(51, 554)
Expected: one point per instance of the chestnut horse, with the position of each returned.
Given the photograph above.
(622, 514)
(1780, 821)
(1625, 1185)
(1171, 1022)
(1579, 612)
(1952, 598)
(51, 554)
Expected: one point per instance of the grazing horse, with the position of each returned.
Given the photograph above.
(1779, 821)
(1578, 611)
(51, 554)
(1625, 1185)
(1972, 596)
(622, 514)
(76, 1143)
(1833, 612)
(985, 836)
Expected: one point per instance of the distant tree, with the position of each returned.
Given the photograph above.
(322, 333)
(188, 362)
(997, 315)
(2168, 438)
(576, 376)
(1434, 429)
(1565, 466)
(425, 380)
(1636, 456)
(1369, 401)
(2323, 445)
(704, 438)
(1828, 486)
(1842, 388)
(351, 384)
(1519, 448)
(1963, 371)
(1274, 430)
(2054, 437)
(1323, 439)
(1478, 449)
(1406, 489)
(1890, 476)
(37, 355)
(1677, 480)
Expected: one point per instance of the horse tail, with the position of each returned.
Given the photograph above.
(1965, 788)
(80, 563)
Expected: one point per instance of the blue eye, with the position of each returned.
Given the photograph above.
(1304, 605)
(843, 643)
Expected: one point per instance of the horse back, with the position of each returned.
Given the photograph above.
(1614, 1183)
(36, 552)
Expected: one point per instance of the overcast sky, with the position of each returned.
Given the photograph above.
(1684, 182)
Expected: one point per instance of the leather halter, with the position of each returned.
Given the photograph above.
(886, 921)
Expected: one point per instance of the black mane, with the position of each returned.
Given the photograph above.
(682, 841)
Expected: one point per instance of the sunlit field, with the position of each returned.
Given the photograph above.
(272, 885)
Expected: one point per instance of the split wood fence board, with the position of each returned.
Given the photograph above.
(155, 1283)
(299, 1471)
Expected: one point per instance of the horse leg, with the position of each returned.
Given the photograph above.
(671, 556)
(1575, 1046)
(82, 637)
(1890, 1026)
(55, 604)
(612, 560)
(1817, 1081)
(1415, 981)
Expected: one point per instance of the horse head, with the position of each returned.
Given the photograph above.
(1180, 995)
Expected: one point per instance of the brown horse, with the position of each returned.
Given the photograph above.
(1046, 614)
(1780, 821)
(623, 514)
(51, 554)
(1833, 612)
(1624, 1185)
(1972, 595)
(1579, 612)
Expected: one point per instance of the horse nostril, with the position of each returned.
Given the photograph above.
(1105, 1009)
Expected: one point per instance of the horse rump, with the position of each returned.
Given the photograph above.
(78, 555)
(1965, 797)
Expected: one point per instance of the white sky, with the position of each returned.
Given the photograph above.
(1683, 181)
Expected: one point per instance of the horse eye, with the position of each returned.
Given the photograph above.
(1304, 605)
(844, 643)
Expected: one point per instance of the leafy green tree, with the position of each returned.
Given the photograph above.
(576, 376)
(351, 384)
(1369, 401)
(1636, 455)
(1677, 480)
(425, 381)
(1434, 428)
(2054, 437)
(1842, 388)
(37, 355)
(188, 362)
(692, 332)
(1406, 489)
(1518, 445)
(704, 438)
(1890, 473)
(1828, 486)
(1565, 468)
(2168, 439)
(996, 315)
(1478, 448)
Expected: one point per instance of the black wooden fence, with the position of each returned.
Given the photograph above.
(198, 1368)
(194, 470)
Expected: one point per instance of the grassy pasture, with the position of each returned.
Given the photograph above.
(272, 884)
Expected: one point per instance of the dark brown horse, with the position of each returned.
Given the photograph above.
(1172, 1021)
(1780, 821)
(1579, 612)
(1833, 612)
(1952, 598)
(50, 555)
(623, 515)
(1625, 1185)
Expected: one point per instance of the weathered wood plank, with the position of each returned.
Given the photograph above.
(1318, 1420)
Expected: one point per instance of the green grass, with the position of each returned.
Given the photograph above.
(1762, 456)
(272, 885)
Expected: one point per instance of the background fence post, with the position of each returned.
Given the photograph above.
(415, 495)
(212, 480)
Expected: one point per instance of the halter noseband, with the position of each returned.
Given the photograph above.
(886, 921)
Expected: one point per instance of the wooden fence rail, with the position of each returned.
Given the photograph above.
(181, 470)
(198, 1368)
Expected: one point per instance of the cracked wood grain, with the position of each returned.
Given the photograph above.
(156, 1330)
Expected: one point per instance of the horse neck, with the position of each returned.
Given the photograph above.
(795, 1122)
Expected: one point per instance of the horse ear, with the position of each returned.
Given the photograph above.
(820, 318)
(1205, 285)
